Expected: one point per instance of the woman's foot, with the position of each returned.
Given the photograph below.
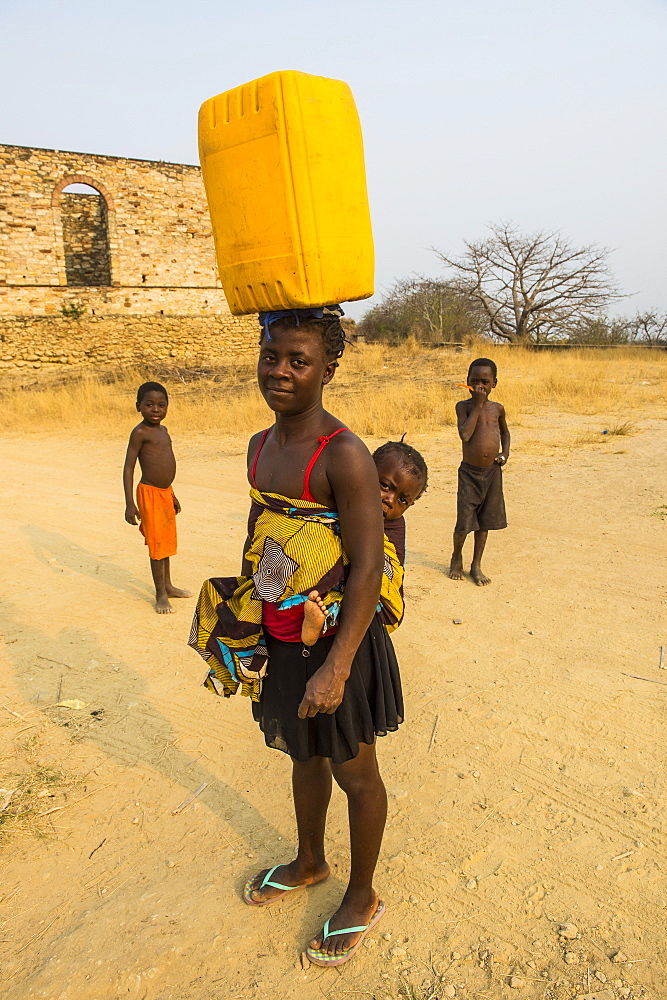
(314, 615)
(352, 912)
(175, 592)
(295, 875)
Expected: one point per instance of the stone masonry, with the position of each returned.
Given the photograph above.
(44, 341)
(137, 246)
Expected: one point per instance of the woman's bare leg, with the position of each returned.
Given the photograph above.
(311, 787)
(367, 810)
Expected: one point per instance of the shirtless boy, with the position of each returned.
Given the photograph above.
(480, 506)
(156, 506)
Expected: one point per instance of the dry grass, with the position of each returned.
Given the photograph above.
(627, 429)
(31, 793)
(430, 989)
(378, 391)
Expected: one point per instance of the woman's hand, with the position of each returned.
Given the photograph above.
(324, 693)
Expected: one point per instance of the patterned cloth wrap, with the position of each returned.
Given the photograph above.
(295, 548)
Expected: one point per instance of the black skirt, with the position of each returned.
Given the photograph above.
(372, 704)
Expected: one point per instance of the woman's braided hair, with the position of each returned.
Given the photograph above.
(330, 329)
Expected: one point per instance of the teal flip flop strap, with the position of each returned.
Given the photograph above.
(345, 930)
(276, 885)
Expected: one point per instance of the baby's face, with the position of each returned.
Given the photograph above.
(398, 487)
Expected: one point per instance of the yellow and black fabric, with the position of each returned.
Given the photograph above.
(392, 607)
(295, 547)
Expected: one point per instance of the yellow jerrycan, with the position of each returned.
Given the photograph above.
(283, 166)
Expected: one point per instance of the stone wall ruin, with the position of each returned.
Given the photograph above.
(86, 237)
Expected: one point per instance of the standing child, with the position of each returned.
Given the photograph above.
(403, 478)
(156, 505)
(480, 506)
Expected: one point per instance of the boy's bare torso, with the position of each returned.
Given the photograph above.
(156, 456)
(484, 445)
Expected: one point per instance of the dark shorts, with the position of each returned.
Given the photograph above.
(480, 505)
(372, 704)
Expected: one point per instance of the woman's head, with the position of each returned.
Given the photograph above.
(403, 477)
(296, 359)
(328, 325)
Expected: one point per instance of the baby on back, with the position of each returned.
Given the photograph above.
(403, 477)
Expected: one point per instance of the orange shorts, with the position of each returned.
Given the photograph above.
(158, 520)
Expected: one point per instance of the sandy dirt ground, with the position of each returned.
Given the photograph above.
(526, 787)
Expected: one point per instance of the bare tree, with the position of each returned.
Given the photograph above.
(431, 310)
(533, 286)
(649, 327)
(603, 330)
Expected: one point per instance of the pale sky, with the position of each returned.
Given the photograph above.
(548, 113)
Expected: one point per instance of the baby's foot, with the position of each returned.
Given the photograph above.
(456, 568)
(480, 579)
(314, 614)
(162, 605)
(175, 592)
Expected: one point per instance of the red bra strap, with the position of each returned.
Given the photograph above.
(254, 464)
(324, 441)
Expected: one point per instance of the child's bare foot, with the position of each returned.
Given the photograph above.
(480, 579)
(175, 592)
(456, 568)
(314, 614)
(162, 605)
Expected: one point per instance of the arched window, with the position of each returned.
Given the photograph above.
(85, 227)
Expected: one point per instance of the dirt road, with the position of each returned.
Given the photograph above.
(526, 786)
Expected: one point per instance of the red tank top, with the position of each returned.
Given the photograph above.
(286, 625)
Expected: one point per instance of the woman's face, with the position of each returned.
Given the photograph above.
(292, 369)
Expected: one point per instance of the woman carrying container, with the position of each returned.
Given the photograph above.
(316, 519)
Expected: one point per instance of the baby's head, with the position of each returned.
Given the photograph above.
(403, 477)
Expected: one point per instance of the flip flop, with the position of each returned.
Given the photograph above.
(251, 887)
(318, 957)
